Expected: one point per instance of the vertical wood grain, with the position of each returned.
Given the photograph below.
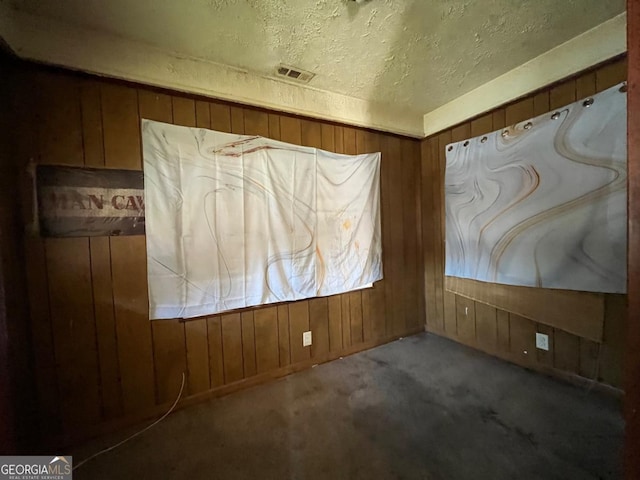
(203, 114)
(184, 111)
(335, 322)
(504, 333)
(522, 339)
(256, 122)
(615, 331)
(361, 138)
(589, 350)
(232, 347)
(284, 342)
(438, 322)
(128, 257)
(611, 74)
(448, 298)
(345, 316)
(397, 315)
(92, 135)
(169, 353)
(545, 357)
(220, 117)
(266, 338)
(103, 306)
(319, 326)
(298, 324)
(311, 135)
(274, 126)
(74, 332)
(450, 316)
(386, 165)
(58, 119)
(541, 103)
(42, 337)
(428, 258)
(486, 327)
(100, 262)
(567, 352)
(466, 320)
(410, 172)
(215, 347)
(562, 94)
(237, 119)
(169, 358)
(248, 344)
(333, 340)
(198, 359)
(291, 132)
(355, 298)
(135, 355)
(192, 113)
(120, 127)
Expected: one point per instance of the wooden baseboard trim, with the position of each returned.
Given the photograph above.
(69, 440)
(568, 377)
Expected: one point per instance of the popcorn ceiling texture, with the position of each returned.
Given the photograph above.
(413, 53)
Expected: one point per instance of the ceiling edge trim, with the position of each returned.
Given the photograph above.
(594, 46)
(44, 40)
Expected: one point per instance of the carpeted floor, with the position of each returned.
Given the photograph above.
(418, 408)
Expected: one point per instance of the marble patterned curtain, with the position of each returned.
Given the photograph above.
(543, 203)
(234, 221)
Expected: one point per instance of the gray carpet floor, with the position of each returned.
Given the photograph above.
(419, 408)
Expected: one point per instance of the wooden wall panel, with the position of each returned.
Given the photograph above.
(232, 354)
(585, 330)
(197, 356)
(98, 359)
(105, 327)
(248, 344)
(410, 222)
(74, 334)
(196, 113)
(170, 361)
(122, 147)
(216, 354)
(266, 337)
(581, 313)
(486, 327)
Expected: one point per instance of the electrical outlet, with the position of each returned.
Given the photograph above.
(306, 339)
(542, 341)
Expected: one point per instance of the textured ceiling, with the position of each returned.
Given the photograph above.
(418, 54)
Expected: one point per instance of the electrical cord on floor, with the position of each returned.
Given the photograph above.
(113, 447)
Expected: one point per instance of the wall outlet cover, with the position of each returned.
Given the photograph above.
(306, 339)
(542, 341)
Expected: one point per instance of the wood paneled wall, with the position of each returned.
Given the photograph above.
(16, 388)
(99, 362)
(485, 327)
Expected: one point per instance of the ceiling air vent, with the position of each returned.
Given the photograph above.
(295, 74)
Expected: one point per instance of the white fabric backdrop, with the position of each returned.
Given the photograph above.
(234, 221)
(543, 206)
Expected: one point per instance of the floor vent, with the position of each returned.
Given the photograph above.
(295, 74)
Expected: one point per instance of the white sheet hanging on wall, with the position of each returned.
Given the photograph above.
(234, 221)
(543, 204)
